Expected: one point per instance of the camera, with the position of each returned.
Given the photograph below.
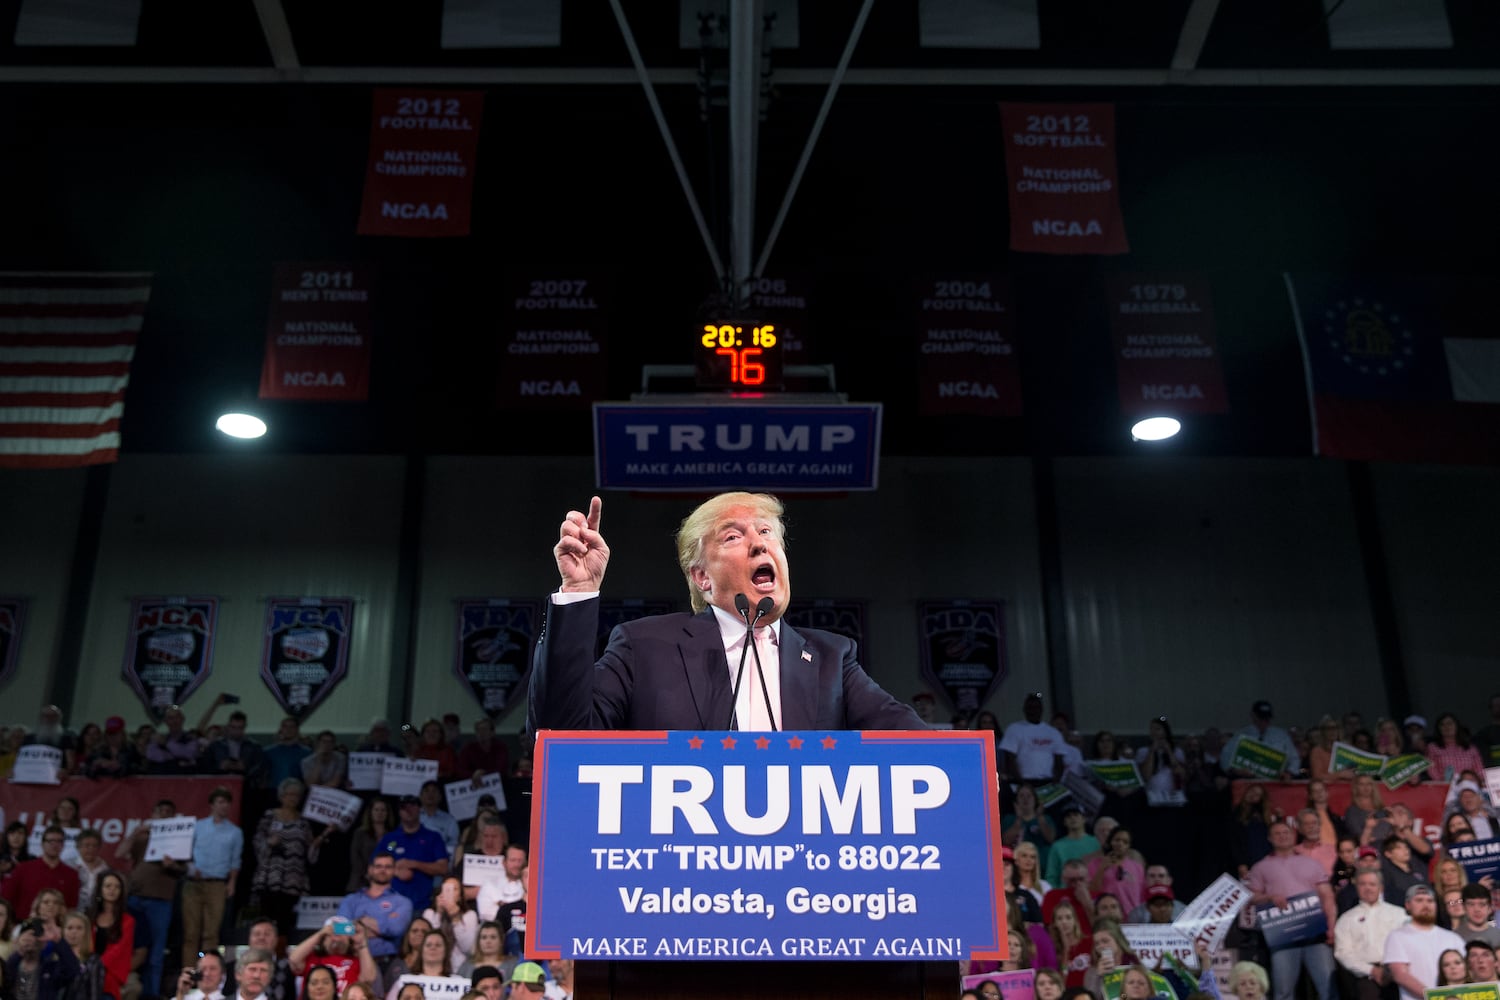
(195, 976)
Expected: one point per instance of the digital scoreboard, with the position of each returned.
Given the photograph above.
(739, 354)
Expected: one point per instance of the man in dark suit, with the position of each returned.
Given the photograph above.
(678, 671)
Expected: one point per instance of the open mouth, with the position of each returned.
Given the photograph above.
(764, 577)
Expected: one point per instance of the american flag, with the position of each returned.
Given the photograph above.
(66, 341)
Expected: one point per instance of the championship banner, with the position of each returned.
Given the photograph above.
(12, 617)
(1113, 985)
(423, 149)
(1400, 369)
(1116, 775)
(1427, 802)
(1166, 358)
(966, 347)
(737, 446)
(1256, 757)
(962, 646)
(1468, 991)
(629, 609)
(306, 650)
(845, 618)
(318, 333)
(789, 845)
(1302, 922)
(1397, 771)
(493, 653)
(1479, 858)
(552, 348)
(1060, 168)
(1352, 758)
(783, 303)
(1017, 985)
(115, 807)
(169, 648)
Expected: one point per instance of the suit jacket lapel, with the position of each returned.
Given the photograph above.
(707, 667)
(799, 676)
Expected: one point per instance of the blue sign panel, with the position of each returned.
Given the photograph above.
(791, 845)
(1480, 858)
(1303, 921)
(737, 446)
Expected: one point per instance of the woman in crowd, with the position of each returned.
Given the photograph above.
(454, 917)
(112, 929)
(410, 957)
(987, 722)
(1022, 953)
(434, 746)
(7, 929)
(89, 983)
(1452, 969)
(49, 907)
(1447, 874)
(1388, 740)
(1109, 952)
(359, 991)
(434, 958)
(1345, 864)
(1118, 873)
(1049, 984)
(489, 949)
(1027, 822)
(1249, 981)
(1107, 907)
(89, 738)
(1457, 829)
(1160, 761)
(1106, 747)
(411, 991)
(65, 813)
(1330, 823)
(377, 821)
(1320, 758)
(1451, 913)
(1070, 933)
(284, 846)
(1252, 826)
(320, 983)
(13, 847)
(1029, 870)
(1362, 740)
(1452, 753)
(1365, 805)
(1136, 984)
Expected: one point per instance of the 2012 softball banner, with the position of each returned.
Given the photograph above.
(776, 845)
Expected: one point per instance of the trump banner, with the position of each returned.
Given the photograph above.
(423, 149)
(962, 646)
(169, 648)
(1400, 369)
(492, 654)
(552, 346)
(852, 846)
(1302, 921)
(1166, 359)
(12, 617)
(966, 347)
(318, 334)
(1060, 165)
(306, 650)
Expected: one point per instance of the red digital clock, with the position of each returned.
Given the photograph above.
(739, 354)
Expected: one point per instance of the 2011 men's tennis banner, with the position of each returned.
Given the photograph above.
(318, 333)
(781, 845)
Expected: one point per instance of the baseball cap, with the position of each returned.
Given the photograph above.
(1262, 709)
(1420, 889)
(1159, 892)
(114, 724)
(1466, 786)
(409, 800)
(1007, 854)
(1367, 852)
(528, 972)
(1415, 720)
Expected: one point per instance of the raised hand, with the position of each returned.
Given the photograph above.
(581, 552)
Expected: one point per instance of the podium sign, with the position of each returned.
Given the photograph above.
(864, 846)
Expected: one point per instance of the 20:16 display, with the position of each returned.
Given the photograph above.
(728, 340)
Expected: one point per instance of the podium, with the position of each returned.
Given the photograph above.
(736, 864)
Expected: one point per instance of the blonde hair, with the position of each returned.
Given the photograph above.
(705, 517)
(87, 948)
(1252, 969)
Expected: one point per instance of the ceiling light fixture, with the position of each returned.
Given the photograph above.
(1155, 429)
(241, 425)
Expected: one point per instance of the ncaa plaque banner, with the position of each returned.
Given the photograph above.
(963, 649)
(966, 345)
(1060, 168)
(420, 177)
(306, 649)
(618, 612)
(845, 618)
(169, 648)
(493, 653)
(12, 616)
(552, 348)
(318, 334)
(858, 846)
(1166, 358)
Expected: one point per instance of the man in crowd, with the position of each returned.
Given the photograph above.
(496, 900)
(236, 753)
(255, 967)
(176, 750)
(89, 865)
(1477, 923)
(528, 982)
(378, 740)
(1480, 958)
(46, 872)
(50, 732)
(150, 892)
(282, 984)
(218, 846)
(435, 818)
(1076, 842)
(1276, 878)
(1471, 803)
(561, 987)
(1261, 730)
(114, 757)
(204, 981)
(420, 854)
(1159, 903)
(1397, 867)
(1156, 874)
(1367, 860)
(347, 955)
(284, 757)
(1032, 750)
(39, 969)
(489, 981)
(1359, 939)
(1310, 826)
(1074, 889)
(382, 912)
(483, 754)
(1413, 950)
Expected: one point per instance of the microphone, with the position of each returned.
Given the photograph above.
(761, 610)
(742, 605)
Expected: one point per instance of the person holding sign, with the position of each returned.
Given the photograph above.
(284, 844)
(1274, 879)
(731, 549)
(1261, 731)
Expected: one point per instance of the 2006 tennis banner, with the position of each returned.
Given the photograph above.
(789, 845)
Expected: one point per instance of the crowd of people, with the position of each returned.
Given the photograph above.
(1401, 915)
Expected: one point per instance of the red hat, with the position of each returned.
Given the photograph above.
(1367, 852)
(1159, 891)
(1007, 854)
(114, 724)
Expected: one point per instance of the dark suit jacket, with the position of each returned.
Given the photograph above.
(671, 672)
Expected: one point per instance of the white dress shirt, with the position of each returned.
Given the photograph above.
(1359, 935)
(750, 708)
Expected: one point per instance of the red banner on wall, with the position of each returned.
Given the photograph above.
(1426, 801)
(552, 352)
(1166, 360)
(115, 806)
(1060, 167)
(966, 347)
(318, 334)
(423, 149)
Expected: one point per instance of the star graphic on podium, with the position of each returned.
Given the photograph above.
(829, 742)
(727, 742)
(795, 743)
(696, 742)
(762, 743)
